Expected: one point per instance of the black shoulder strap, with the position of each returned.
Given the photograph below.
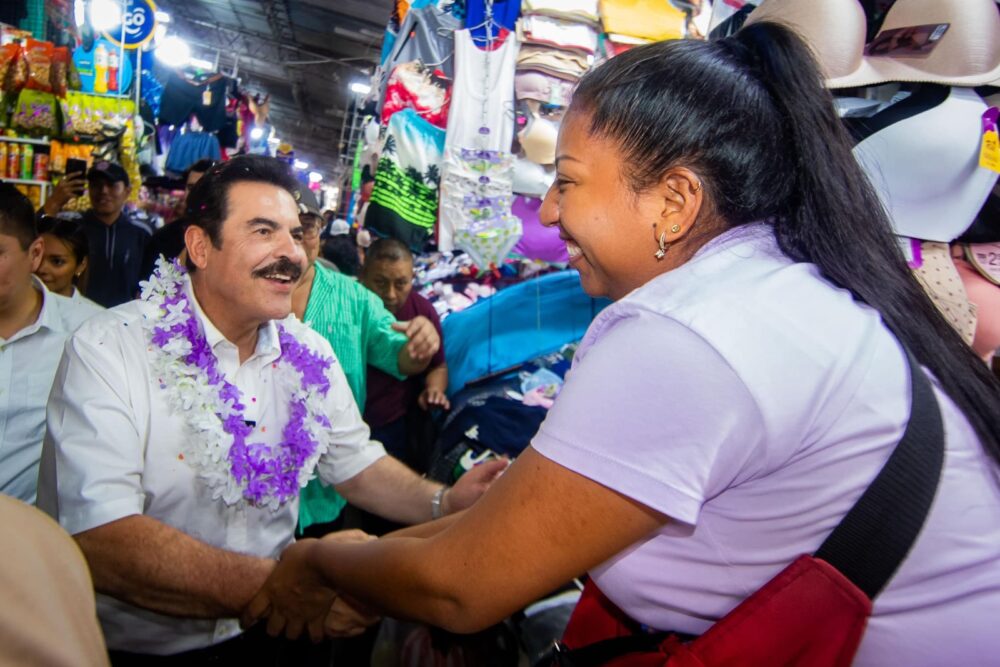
(875, 536)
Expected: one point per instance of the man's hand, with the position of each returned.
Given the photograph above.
(296, 597)
(347, 619)
(424, 340)
(70, 187)
(433, 398)
(473, 484)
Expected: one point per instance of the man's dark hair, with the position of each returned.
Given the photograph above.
(199, 167)
(388, 250)
(17, 216)
(207, 205)
(343, 252)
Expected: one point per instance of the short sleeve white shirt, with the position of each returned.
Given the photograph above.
(114, 449)
(28, 362)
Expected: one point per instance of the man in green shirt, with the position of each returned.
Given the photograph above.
(361, 332)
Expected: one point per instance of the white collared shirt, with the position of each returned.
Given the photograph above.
(80, 298)
(114, 449)
(28, 361)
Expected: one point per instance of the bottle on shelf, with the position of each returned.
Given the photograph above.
(27, 161)
(3, 159)
(100, 69)
(41, 166)
(113, 71)
(14, 161)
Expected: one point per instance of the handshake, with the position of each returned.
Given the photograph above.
(296, 598)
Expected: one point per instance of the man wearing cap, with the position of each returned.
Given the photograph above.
(117, 239)
(361, 332)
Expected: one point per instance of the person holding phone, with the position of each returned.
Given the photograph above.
(72, 185)
(117, 239)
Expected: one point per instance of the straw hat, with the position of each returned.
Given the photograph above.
(967, 55)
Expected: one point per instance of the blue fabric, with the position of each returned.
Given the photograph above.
(505, 13)
(190, 147)
(388, 41)
(516, 325)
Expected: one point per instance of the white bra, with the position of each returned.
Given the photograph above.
(926, 170)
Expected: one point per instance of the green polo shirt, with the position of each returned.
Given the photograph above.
(359, 329)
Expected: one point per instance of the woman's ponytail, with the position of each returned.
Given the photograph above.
(834, 219)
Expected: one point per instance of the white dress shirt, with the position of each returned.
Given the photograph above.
(28, 361)
(79, 297)
(114, 449)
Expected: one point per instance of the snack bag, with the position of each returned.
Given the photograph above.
(8, 56)
(35, 113)
(59, 73)
(17, 68)
(73, 76)
(39, 58)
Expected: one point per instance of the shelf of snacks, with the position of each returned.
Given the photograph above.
(25, 140)
(24, 181)
(43, 107)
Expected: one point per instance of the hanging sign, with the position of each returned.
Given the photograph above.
(140, 24)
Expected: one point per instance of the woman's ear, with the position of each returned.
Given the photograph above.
(682, 194)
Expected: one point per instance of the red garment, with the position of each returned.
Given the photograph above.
(412, 86)
(810, 615)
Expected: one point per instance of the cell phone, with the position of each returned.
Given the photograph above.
(76, 166)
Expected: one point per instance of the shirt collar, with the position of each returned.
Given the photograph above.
(268, 345)
(48, 316)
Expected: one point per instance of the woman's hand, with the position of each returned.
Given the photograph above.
(296, 596)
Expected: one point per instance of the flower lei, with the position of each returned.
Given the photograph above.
(237, 471)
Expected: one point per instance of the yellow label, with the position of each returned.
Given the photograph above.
(206, 97)
(989, 153)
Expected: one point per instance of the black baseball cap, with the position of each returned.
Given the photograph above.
(112, 171)
(308, 205)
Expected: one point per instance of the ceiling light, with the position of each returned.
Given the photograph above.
(173, 52)
(202, 64)
(105, 14)
(256, 133)
(162, 17)
(361, 88)
(315, 177)
(300, 165)
(79, 12)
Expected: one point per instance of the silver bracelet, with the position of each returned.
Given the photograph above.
(436, 501)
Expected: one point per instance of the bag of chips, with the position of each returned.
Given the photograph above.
(39, 58)
(35, 113)
(59, 73)
(13, 68)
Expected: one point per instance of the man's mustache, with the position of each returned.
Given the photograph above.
(283, 266)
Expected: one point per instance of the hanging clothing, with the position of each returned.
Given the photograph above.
(190, 147)
(207, 101)
(404, 199)
(505, 14)
(477, 181)
(425, 35)
(413, 86)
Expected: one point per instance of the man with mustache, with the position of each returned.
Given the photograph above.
(183, 425)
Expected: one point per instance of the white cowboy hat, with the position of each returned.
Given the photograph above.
(968, 54)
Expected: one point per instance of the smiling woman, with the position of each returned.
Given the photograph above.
(725, 414)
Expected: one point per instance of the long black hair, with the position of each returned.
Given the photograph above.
(750, 115)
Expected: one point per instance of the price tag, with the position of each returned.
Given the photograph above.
(206, 98)
(985, 257)
(989, 151)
